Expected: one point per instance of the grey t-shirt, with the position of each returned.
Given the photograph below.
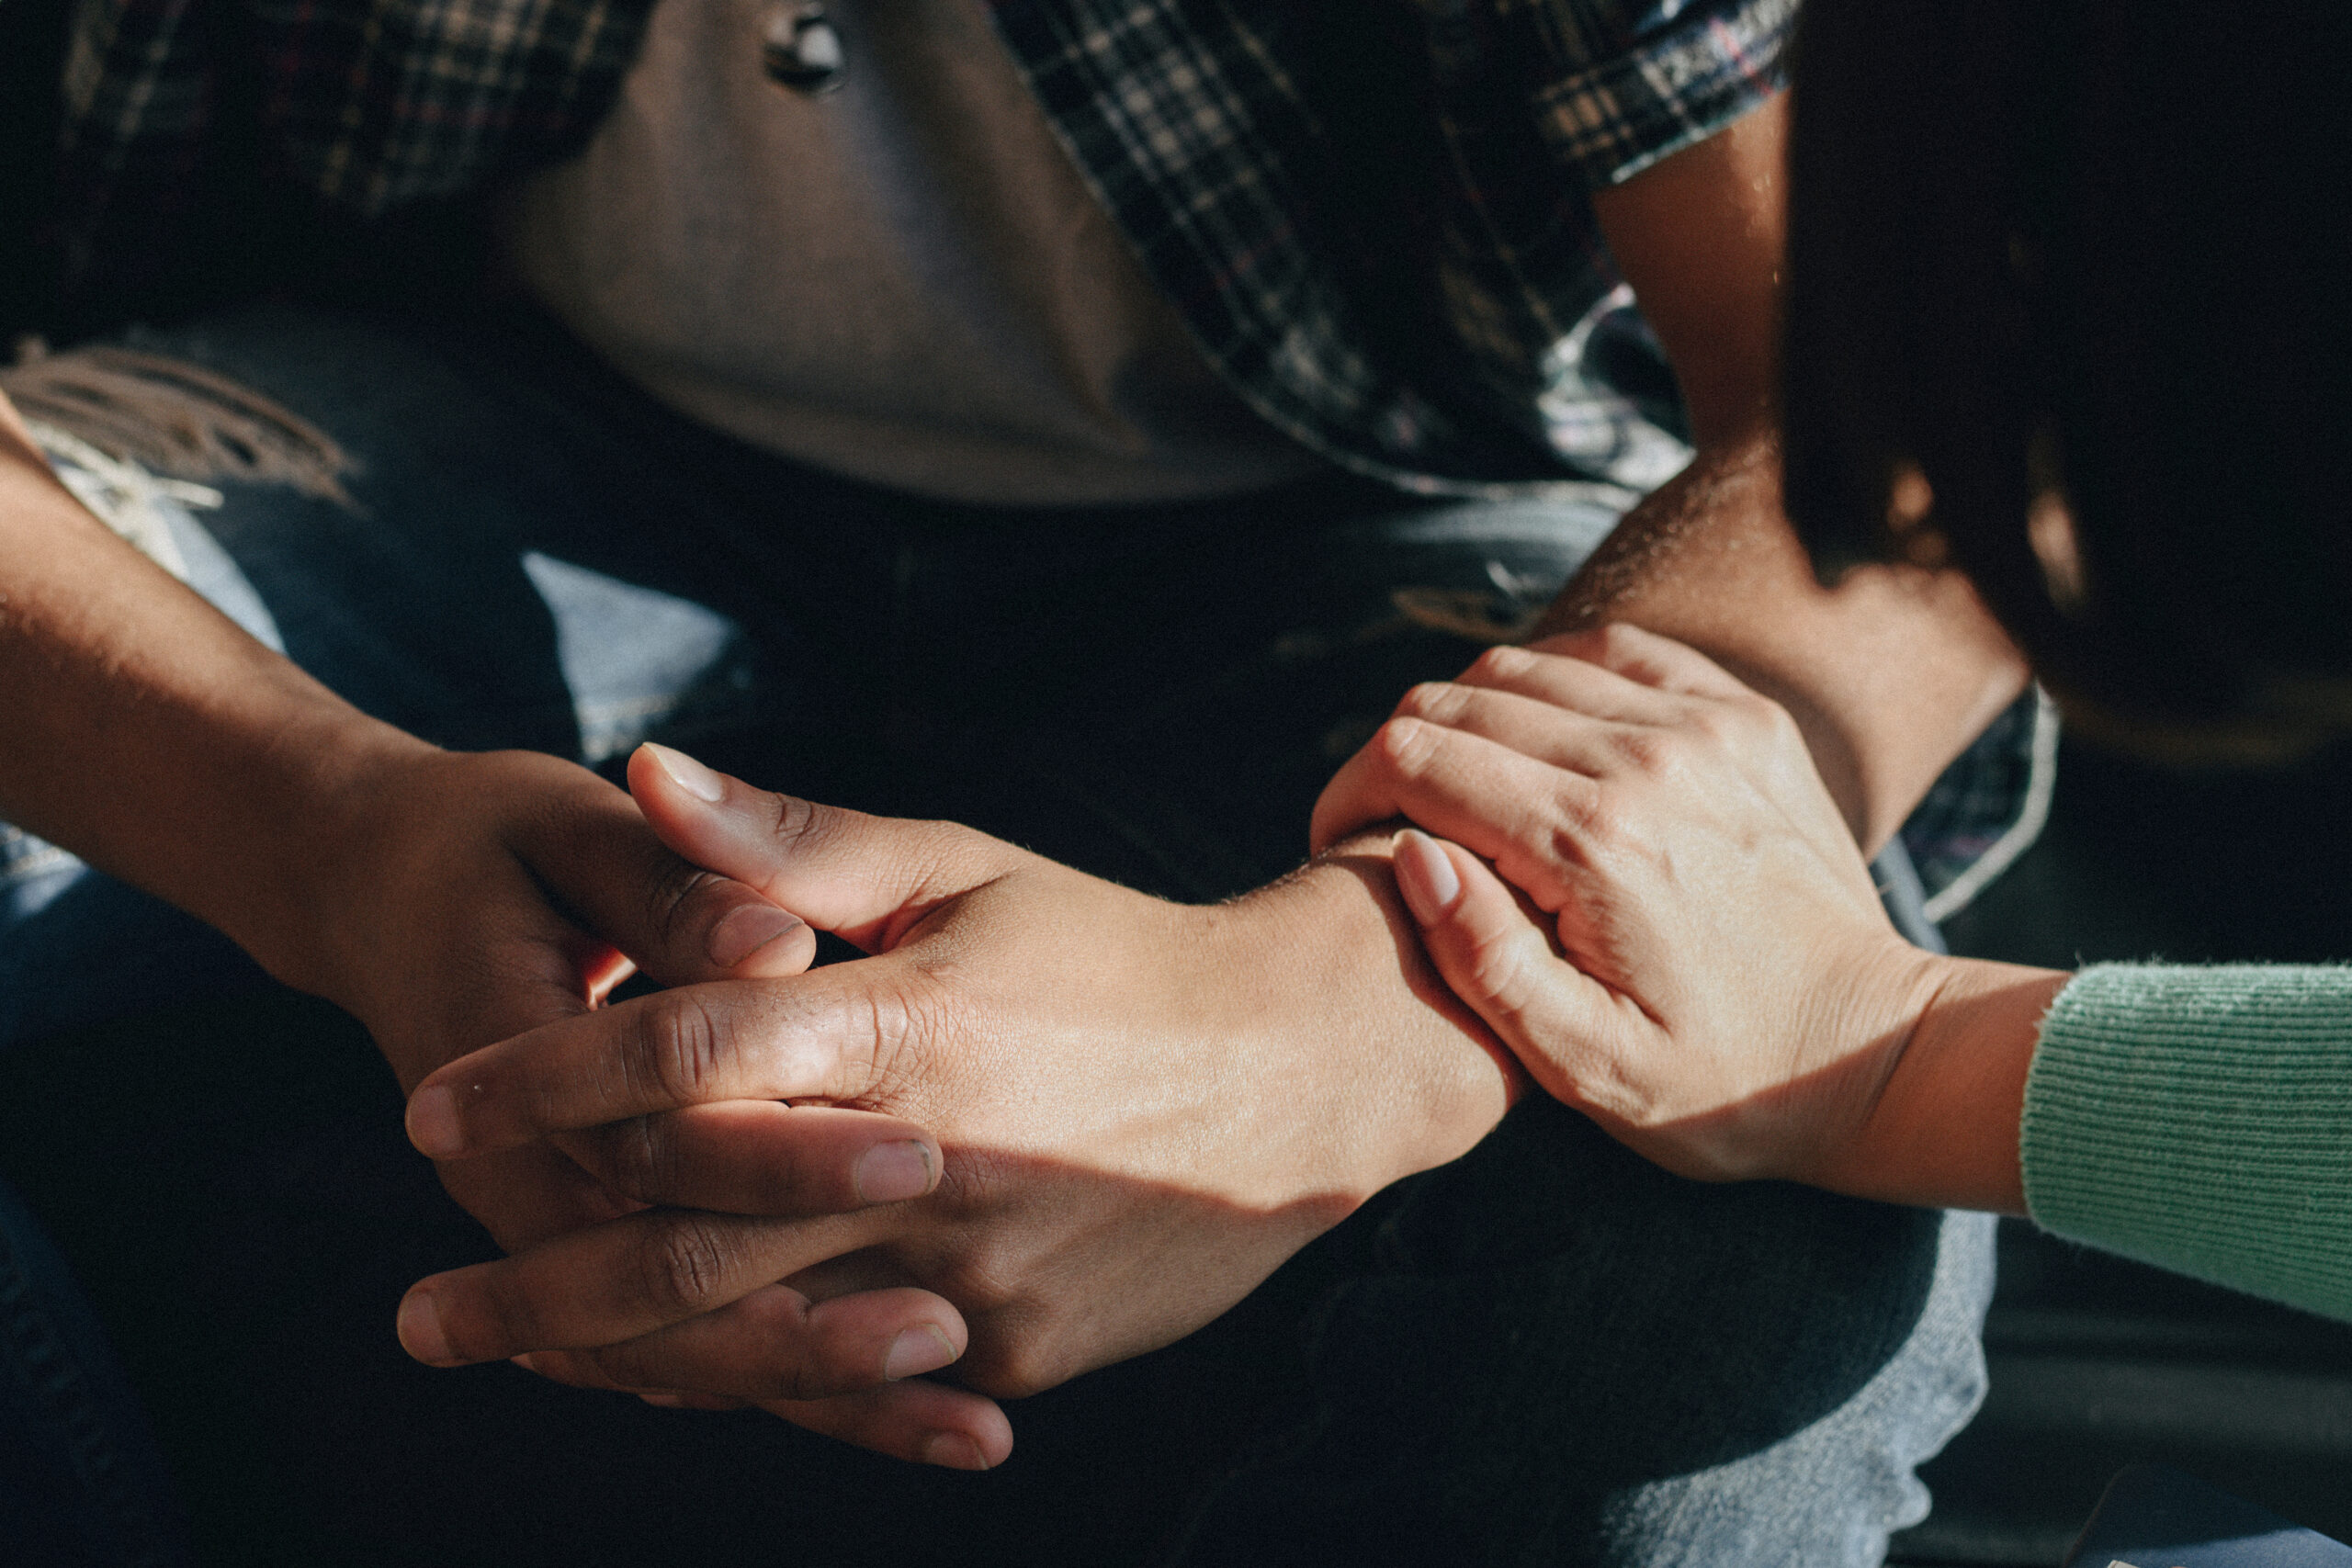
(904, 280)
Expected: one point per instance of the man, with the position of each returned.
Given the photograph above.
(1075, 429)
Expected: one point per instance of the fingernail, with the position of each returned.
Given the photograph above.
(687, 773)
(432, 1124)
(746, 928)
(420, 1331)
(953, 1450)
(1425, 877)
(888, 1173)
(916, 1352)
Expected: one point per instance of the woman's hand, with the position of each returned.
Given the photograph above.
(1677, 934)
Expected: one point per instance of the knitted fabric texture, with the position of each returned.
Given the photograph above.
(2200, 1119)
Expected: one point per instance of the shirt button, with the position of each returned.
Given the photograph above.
(803, 48)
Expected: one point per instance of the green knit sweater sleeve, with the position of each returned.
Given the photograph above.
(2200, 1119)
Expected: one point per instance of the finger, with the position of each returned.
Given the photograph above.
(674, 1400)
(775, 1343)
(869, 879)
(1578, 685)
(611, 1282)
(757, 1157)
(524, 1196)
(1502, 803)
(1534, 727)
(924, 1423)
(574, 1369)
(820, 1036)
(918, 1421)
(1499, 960)
(527, 1194)
(1647, 659)
(678, 922)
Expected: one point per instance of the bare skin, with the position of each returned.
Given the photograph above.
(1642, 887)
(453, 901)
(1890, 673)
(446, 900)
(1719, 526)
(1074, 1179)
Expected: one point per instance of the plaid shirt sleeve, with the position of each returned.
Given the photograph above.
(1639, 79)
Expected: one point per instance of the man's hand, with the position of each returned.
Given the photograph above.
(1145, 1107)
(475, 896)
(446, 900)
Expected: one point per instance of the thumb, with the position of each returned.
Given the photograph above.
(867, 879)
(1499, 958)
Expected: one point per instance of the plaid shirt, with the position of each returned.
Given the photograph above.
(1374, 213)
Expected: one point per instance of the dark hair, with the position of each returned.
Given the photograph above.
(2086, 262)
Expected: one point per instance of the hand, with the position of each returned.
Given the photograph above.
(1145, 1108)
(470, 897)
(1711, 975)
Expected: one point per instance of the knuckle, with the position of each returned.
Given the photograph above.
(878, 1059)
(639, 1160)
(1581, 826)
(800, 1376)
(1435, 700)
(681, 1266)
(1016, 1368)
(1494, 971)
(1770, 716)
(1719, 723)
(908, 1021)
(677, 1059)
(625, 1365)
(670, 894)
(799, 824)
(1619, 641)
(495, 1321)
(987, 1276)
(1644, 749)
(1502, 660)
(790, 1367)
(1406, 745)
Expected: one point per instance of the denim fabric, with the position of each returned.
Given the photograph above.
(1549, 1351)
(80, 1480)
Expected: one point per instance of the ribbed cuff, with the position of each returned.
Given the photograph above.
(2200, 1119)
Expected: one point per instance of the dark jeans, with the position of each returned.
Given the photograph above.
(1548, 1352)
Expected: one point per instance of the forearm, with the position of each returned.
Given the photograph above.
(1889, 675)
(150, 734)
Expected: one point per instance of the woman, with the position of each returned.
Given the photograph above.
(2052, 329)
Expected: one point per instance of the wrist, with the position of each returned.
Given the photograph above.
(1384, 1049)
(1942, 1128)
(307, 844)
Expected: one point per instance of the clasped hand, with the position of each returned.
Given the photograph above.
(1125, 1135)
